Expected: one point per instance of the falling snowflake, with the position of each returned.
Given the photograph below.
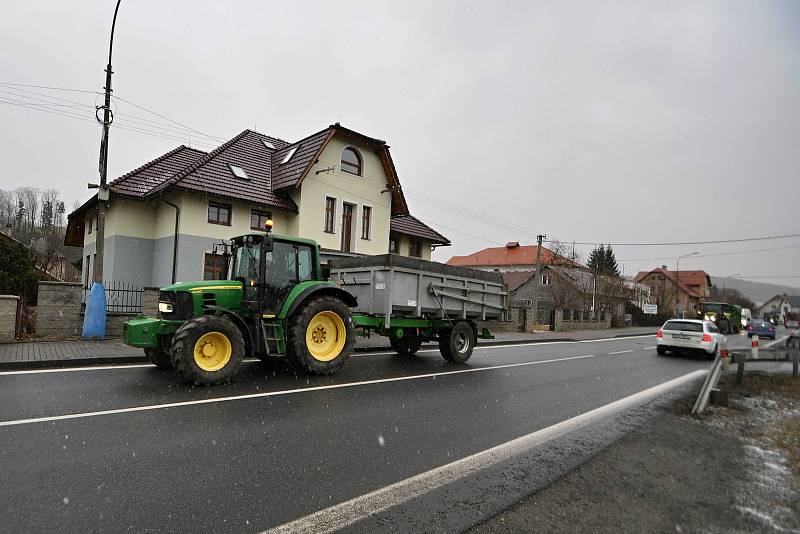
(381, 441)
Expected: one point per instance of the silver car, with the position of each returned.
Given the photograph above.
(689, 335)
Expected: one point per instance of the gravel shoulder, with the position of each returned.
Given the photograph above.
(734, 469)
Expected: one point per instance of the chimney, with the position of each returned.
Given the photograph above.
(664, 267)
(512, 244)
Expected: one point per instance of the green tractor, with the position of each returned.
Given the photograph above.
(727, 317)
(278, 303)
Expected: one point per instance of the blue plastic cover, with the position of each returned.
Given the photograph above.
(94, 320)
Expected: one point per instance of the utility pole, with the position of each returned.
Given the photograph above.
(102, 193)
(539, 239)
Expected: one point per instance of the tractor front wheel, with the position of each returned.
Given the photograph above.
(207, 350)
(321, 336)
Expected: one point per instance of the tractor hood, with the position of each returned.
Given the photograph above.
(204, 285)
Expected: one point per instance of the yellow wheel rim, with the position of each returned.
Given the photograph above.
(325, 336)
(212, 351)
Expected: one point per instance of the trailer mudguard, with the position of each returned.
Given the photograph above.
(304, 290)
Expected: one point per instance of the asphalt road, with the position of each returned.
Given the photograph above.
(108, 449)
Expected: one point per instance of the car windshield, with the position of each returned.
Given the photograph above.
(683, 326)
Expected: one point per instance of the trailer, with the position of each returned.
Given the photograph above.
(279, 302)
(411, 301)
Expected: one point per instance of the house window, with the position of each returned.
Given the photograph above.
(394, 244)
(219, 213)
(214, 267)
(88, 270)
(351, 161)
(330, 214)
(545, 279)
(258, 219)
(89, 227)
(366, 216)
(415, 249)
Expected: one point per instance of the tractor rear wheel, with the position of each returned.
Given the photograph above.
(456, 344)
(320, 336)
(406, 345)
(207, 350)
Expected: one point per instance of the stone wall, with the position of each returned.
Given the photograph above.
(150, 301)
(581, 321)
(114, 323)
(58, 310)
(8, 318)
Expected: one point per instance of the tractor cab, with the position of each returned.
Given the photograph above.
(269, 267)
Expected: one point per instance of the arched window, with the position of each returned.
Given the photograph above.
(351, 161)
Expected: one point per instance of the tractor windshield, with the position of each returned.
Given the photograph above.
(247, 261)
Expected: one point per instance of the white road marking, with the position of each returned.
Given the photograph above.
(775, 342)
(151, 407)
(249, 360)
(350, 512)
(621, 352)
(650, 348)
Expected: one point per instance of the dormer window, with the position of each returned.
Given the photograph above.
(238, 172)
(289, 155)
(351, 161)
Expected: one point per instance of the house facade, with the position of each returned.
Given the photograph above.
(165, 220)
(666, 287)
(779, 308)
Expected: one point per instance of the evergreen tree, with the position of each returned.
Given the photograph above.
(603, 261)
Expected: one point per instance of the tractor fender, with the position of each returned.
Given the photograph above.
(315, 291)
(238, 321)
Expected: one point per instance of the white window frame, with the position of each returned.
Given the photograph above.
(361, 222)
(325, 213)
(546, 279)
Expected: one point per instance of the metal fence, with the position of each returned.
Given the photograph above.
(121, 297)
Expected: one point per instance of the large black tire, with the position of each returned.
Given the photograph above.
(159, 356)
(661, 350)
(406, 345)
(328, 325)
(456, 344)
(212, 365)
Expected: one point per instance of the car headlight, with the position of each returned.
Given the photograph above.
(165, 307)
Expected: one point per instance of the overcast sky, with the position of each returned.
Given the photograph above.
(587, 121)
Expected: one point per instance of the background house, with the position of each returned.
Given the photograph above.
(665, 286)
(512, 257)
(780, 308)
(336, 186)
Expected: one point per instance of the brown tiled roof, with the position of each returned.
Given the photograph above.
(694, 278)
(511, 254)
(138, 182)
(514, 279)
(212, 175)
(409, 225)
(289, 174)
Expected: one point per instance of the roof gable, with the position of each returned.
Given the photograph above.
(671, 277)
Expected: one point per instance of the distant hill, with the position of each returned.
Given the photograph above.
(757, 291)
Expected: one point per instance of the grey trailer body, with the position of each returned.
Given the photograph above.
(396, 286)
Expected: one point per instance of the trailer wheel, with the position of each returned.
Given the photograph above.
(406, 345)
(456, 344)
(159, 355)
(321, 336)
(207, 350)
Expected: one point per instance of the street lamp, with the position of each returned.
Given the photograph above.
(678, 281)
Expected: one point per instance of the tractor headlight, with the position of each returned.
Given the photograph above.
(165, 307)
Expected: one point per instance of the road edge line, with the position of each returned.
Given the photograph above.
(349, 512)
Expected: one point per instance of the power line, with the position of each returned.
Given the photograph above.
(117, 97)
(51, 88)
(681, 243)
(734, 253)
